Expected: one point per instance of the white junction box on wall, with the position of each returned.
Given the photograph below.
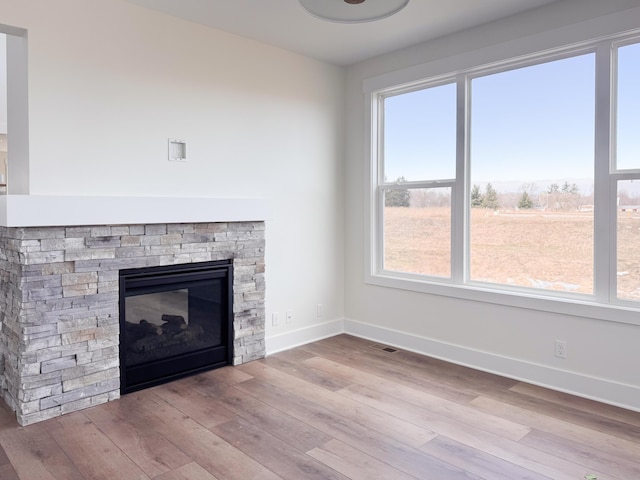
(177, 150)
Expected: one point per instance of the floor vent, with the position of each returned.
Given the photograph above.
(384, 348)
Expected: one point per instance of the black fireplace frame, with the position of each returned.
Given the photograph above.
(156, 372)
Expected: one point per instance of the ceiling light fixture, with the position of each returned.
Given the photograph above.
(353, 11)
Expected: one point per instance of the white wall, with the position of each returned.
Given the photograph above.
(110, 82)
(603, 355)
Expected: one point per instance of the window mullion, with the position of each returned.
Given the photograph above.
(459, 208)
(604, 191)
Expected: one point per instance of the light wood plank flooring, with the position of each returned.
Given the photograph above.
(341, 408)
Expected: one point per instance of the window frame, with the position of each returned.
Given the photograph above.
(603, 303)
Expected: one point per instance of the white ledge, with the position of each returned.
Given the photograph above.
(67, 210)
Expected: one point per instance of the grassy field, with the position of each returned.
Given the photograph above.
(531, 248)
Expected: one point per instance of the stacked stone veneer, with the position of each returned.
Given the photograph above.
(59, 325)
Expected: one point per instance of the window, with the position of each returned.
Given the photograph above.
(420, 155)
(532, 159)
(628, 233)
(506, 178)
(627, 172)
(417, 231)
(628, 107)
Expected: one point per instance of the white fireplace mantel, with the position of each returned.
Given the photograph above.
(69, 210)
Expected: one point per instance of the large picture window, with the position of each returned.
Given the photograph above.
(532, 160)
(627, 176)
(509, 177)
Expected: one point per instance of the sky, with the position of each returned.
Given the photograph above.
(629, 107)
(420, 141)
(527, 124)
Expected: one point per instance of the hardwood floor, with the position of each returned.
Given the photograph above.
(341, 408)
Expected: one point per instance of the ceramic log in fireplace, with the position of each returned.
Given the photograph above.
(174, 321)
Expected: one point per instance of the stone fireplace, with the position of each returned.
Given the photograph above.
(59, 302)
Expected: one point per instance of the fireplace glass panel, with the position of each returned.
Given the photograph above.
(172, 322)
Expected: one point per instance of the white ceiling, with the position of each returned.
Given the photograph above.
(285, 24)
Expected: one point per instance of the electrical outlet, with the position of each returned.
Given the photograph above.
(289, 317)
(319, 311)
(561, 349)
(275, 319)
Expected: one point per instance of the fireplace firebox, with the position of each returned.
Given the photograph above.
(174, 321)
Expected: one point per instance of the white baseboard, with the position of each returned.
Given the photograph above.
(594, 388)
(302, 336)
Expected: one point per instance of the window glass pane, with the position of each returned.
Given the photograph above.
(420, 135)
(532, 167)
(628, 107)
(628, 240)
(417, 231)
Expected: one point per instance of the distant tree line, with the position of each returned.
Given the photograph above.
(565, 197)
(556, 197)
(418, 197)
(488, 199)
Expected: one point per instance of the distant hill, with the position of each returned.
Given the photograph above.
(537, 186)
